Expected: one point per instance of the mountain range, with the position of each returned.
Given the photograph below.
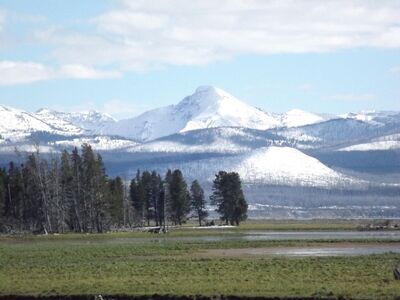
(211, 130)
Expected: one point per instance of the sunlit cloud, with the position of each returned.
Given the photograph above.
(143, 34)
(15, 72)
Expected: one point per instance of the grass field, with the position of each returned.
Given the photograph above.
(138, 264)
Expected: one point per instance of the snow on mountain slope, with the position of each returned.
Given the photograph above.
(56, 120)
(389, 142)
(208, 107)
(16, 123)
(77, 122)
(373, 146)
(379, 118)
(214, 107)
(213, 140)
(297, 117)
(92, 121)
(98, 143)
(282, 165)
(335, 132)
(266, 165)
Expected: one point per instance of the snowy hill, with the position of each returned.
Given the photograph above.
(297, 117)
(265, 165)
(16, 123)
(211, 130)
(285, 165)
(76, 122)
(208, 107)
(375, 117)
(389, 142)
(213, 140)
(57, 122)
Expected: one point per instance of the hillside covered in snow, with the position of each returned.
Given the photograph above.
(212, 130)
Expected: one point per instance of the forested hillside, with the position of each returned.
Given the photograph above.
(72, 193)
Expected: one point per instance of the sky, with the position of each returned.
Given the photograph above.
(124, 57)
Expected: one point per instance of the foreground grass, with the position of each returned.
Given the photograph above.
(139, 265)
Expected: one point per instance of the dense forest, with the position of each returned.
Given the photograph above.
(71, 192)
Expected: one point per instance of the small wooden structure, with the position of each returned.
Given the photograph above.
(396, 272)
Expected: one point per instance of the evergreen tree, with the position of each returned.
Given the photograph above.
(136, 195)
(168, 177)
(58, 208)
(73, 181)
(35, 209)
(156, 188)
(229, 198)
(3, 194)
(14, 201)
(95, 190)
(198, 201)
(102, 215)
(71, 192)
(179, 205)
(146, 182)
(117, 201)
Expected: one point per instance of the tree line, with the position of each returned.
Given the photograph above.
(72, 193)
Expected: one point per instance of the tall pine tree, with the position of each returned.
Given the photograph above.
(179, 206)
(198, 201)
(117, 201)
(229, 198)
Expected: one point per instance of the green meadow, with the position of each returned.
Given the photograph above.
(175, 264)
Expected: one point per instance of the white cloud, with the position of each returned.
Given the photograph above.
(15, 72)
(353, 97)
(147, 33)
(83, 72)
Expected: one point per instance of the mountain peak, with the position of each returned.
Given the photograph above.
(207, 95)
(206, 89)
(44, 111)
(297, 117)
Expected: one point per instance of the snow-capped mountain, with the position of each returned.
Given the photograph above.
(208, 107)
(57, 122)
(87, 121)
(16, 123)
(211, 130)
(298, 117)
